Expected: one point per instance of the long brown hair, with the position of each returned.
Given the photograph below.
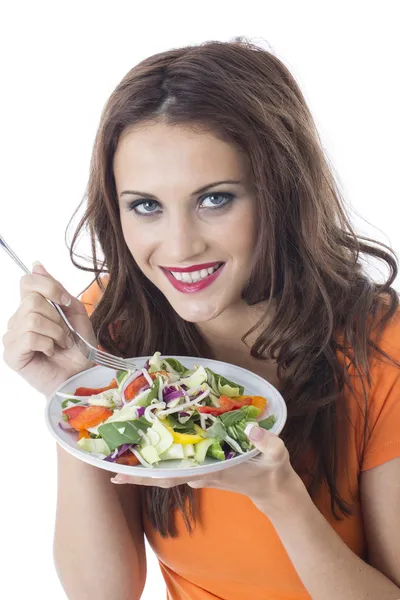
(307, 254)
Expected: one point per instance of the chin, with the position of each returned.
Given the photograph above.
(199, 312)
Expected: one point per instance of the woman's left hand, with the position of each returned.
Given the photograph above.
(265, 479)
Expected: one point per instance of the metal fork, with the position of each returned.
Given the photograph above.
(97, 356)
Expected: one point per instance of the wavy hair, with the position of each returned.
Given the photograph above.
(307, 255)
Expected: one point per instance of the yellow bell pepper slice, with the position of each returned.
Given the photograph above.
(259, 402)
(186, 438)
(183, 438)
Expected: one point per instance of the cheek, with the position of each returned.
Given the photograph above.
(241, 236)
(139, 243)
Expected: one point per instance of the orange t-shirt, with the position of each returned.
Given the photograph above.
(235, 552)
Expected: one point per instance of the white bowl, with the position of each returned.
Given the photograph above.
(97, 377)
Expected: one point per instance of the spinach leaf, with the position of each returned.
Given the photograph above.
(117, 433)
(268, 423)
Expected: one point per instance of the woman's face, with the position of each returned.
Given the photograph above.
(187, 216)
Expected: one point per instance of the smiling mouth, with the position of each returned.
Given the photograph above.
(195, 276)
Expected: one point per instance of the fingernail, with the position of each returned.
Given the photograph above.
(69, 341)
(116, 480)
(37, 267)
(65, 299)
(253, 432)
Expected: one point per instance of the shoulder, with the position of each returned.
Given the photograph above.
(388, 339)
(383, 413)
(93, 294)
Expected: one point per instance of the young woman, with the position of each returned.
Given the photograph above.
(224, 236)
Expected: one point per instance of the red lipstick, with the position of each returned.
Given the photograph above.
(190, 269)
(197, 286)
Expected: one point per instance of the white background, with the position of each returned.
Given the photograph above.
(59, 63)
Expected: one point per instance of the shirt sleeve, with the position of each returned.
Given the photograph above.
(383, 437)
(383, 443)
(91, 297)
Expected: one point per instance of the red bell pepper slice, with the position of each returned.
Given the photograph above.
(84, 391)
(73, 411)
(91, 416)
(226, 405)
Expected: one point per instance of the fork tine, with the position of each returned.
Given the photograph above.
(124, 362)
(113, 364)
(109, 361)
(115, 360)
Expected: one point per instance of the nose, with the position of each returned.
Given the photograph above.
(185, 239)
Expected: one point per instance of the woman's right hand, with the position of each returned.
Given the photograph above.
(37, 344)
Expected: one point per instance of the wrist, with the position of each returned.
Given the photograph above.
(291, 495)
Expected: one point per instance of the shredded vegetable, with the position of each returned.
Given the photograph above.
(164, 411)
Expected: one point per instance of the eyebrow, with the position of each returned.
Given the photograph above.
(199, 191)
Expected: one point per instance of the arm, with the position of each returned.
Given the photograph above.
(98, 544)
(326, 566)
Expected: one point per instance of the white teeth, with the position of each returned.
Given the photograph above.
(194, 276)
(187, 277)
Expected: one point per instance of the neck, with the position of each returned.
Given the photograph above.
(224, 333)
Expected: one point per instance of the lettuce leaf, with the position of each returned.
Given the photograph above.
(222, 386)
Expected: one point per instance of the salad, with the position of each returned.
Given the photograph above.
(163, 412)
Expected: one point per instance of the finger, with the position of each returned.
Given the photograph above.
(35, 303)
(200, 483)
(147, 481)
(42, 282)
(28, 343)
(37, 324)
(266, 442)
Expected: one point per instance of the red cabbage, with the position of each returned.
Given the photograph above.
(121, 450)
(172, 395)
(65, 427)
(230, 454)
(140, 411)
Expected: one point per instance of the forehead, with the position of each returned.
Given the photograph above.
(151, 151)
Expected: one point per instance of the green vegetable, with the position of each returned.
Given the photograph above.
(188, 450)
(248, 413)
(65, 402)
(175, 451)
(187, 427)
(153, 393)
(166, 439)
(196, 378)
(235, 422)
(117, 433)
(106, 398)
(121, 376)
(171, 365)
(150, 454)
(155, 363)
(91, 445)
(177, 366)
(215, 450)
(200, 449)
(222, 386)
(126, 413)
(267, 423)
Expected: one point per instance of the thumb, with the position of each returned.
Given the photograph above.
(261, 438)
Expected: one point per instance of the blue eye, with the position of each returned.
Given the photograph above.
(145, 207)
(216, 200)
